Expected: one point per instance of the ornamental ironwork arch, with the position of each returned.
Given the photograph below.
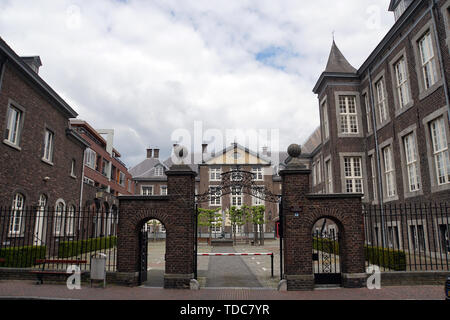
(238, 182)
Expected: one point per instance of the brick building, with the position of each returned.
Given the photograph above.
(41, 155)
(105, 175)
(401, 91)
(150, 179)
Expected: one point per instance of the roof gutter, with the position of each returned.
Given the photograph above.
(36, 79)
(2, 71)
(378, 156)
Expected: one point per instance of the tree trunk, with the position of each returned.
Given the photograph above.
(261, 235)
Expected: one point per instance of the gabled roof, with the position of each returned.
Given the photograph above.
(21, 65)
(337, 63)
(240, 147)
(144, 168)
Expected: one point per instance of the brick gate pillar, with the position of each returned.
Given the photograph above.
(180, 252)
(297, 259)
(176, 212)
(301, 210)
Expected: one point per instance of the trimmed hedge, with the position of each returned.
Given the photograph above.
(74, 248)
(21, 257)
(388, 258)
(383, 257)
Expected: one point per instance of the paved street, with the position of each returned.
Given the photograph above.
(28, 289)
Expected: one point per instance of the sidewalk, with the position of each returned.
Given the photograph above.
(28, 289)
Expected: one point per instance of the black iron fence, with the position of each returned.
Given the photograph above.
(30, 236)
(408, 237)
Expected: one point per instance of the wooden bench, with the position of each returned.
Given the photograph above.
(44, 262)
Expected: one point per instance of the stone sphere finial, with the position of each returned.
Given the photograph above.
(294, 150)
(180, 152)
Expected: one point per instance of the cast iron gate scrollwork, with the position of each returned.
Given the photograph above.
(242, 182)
(239, 182)
(326, 262)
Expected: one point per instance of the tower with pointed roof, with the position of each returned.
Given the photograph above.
(339, 100)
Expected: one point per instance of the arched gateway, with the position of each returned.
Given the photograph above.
(299, 211)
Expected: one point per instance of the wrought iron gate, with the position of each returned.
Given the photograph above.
(143, 245)
(326, 262)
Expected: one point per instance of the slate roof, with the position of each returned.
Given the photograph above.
(337, 63)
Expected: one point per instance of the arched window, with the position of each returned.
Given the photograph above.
(15, 225)
(70, 220)
(39, 224)
(59, 216)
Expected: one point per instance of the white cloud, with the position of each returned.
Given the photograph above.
(146, 68)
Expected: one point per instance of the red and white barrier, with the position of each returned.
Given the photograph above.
(235, 254)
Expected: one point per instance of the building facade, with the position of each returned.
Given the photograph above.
(385, 127)
(105, 175)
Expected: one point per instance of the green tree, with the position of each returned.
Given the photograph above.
(237, 219)
(257, 218)
(209, 218)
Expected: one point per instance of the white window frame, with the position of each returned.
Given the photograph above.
(255, 200)
(147, 187)
(16, 219)
(326, 124)
(72, 168)
(60, 212)
(401, 82)
(412, 169)
(258, 174)
(237, 198)
(49, 144)
(159, 171)
(374, 177)
(215, 174)
(70, 225)
(389, 172)
(161, 188)
(348, 120)
(427, 61)
(122, 178)
(14, 125)
(440, 150)
(352, 176)
(329, 177)
(215, 201)
(90, 158)
(381, 100)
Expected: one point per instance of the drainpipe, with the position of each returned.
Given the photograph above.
(433, 5)
(377, 153)
(82, 180)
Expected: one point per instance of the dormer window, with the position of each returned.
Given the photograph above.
(400, 8)
(159, 171)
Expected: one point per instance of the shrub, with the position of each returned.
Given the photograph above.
(74, 248)
(383, 257)
(21, 257)
(388, 258)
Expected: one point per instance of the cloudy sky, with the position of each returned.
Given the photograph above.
(149, 67)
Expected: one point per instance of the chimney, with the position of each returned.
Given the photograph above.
(33, 62)
(264, 151)
(156, 153)
(149, 153)
(204, 151)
